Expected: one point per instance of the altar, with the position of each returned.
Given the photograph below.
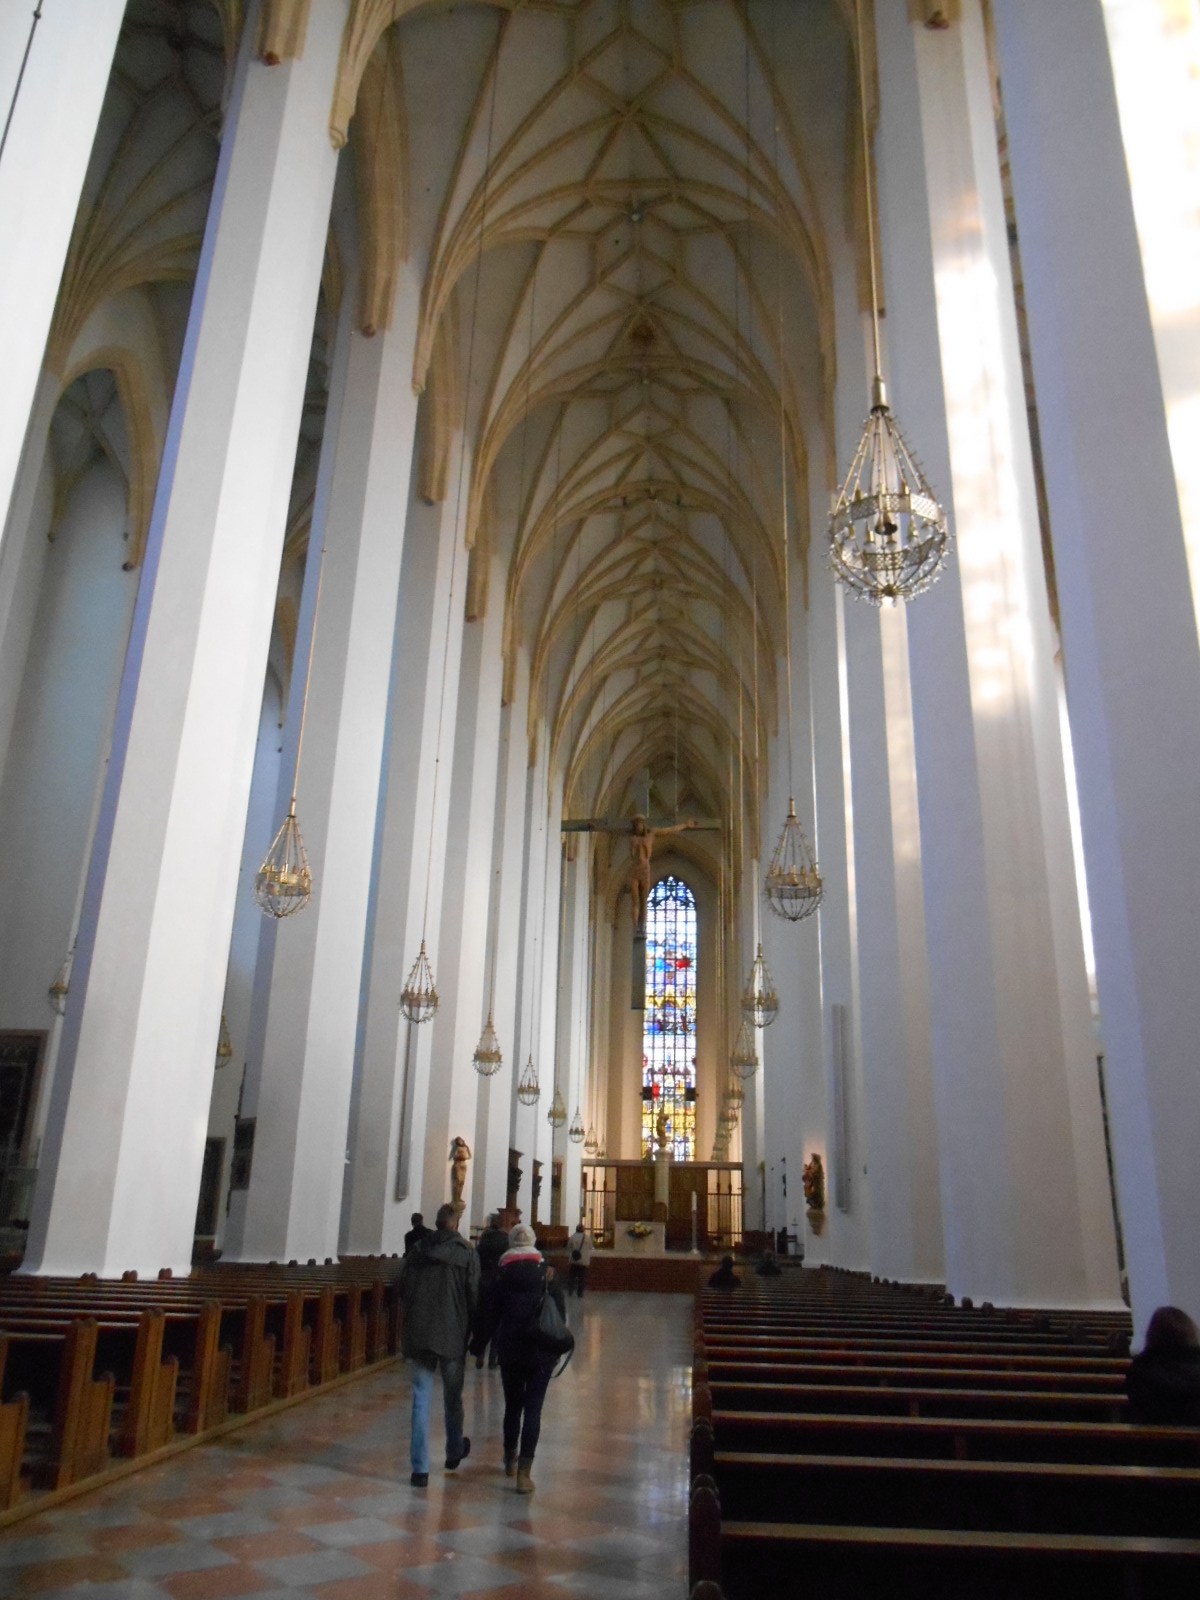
(646, 1207)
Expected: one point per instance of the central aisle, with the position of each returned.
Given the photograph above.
(317, 1501)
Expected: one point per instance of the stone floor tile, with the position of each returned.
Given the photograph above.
(315, 1566)
(51, 1575)
(459, 1575)
(217, 1583)
(486, 1541)
(265, 1546)
(185, 1555)
(225, 1525)
(351, 1531)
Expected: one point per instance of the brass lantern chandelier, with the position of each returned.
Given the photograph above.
(283, 884)
(793, 884)
(529, 1089)
(488, 1058)
(743, 1058)
(759, 1001)
(575, 1132)
(888, 535)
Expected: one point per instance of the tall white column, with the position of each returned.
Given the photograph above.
(387, 1149)
(125, 1136)
(531, 1132)
(495, 1131)
(1128, 624)
(45, 159)
(299, 1090)
(1019, 1146)
(467, 882)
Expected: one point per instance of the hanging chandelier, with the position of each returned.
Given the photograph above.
(488, 1059)
(529, 1090)
(419, 997)
(888, 535)
(57, 993)
(575, 1131)
(759, 1000)
(591, 1144)
(743, 1058)
(224, 1043)
(735, 1096)
(557, 1113)
(283, 884)
(793, 883)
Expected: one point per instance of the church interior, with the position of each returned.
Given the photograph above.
(587, 633)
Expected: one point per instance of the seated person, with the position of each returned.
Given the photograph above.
(767, 1266)
(1163, 1383)
(725, 1277)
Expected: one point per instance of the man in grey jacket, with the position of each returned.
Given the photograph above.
(439, 1286)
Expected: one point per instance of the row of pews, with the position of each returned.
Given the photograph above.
(862, 1439)
(91, 1370)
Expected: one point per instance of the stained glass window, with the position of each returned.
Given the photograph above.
(669, 1026)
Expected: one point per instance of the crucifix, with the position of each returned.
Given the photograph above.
(641, 835)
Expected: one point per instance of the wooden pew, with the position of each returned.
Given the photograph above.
(256, 1364)
(14, 1420)
(150, 1416)
(863, 1563)
(83, 1415)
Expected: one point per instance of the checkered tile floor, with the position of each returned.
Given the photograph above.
(317, 1501)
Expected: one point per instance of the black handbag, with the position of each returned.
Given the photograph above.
(547, 1329)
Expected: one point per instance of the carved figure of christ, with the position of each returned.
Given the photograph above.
(641, 847)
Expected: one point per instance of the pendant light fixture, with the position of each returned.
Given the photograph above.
(591, 1144)
(888, 536)
(743, 1058)
(760, 1003)
(57, 993)
(224, 1043)
(419, 998)
(529, 1089)
(793, 883)
(283, 884)
(575, 1131)
(557, 1113)
(488, 1059)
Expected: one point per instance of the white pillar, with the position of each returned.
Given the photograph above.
(388, 1107)
(530, 1130)
(125, 1136)
(299, 1091)
(1128, 624)
(45, 159)
(467, 881)
(1017, 1164)
(900, 1148)
(498, 1132)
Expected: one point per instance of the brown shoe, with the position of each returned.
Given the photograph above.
(524, 1481)
(510, 1463)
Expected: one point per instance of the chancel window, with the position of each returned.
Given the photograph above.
(669, 1026)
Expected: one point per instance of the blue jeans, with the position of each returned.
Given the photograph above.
(452, 1389)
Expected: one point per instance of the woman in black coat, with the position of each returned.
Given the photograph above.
(509, 1305)
(1163, 1383)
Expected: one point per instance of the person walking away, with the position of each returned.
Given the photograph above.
(490, 1246)
(579, 1259)
(525, 1370)
(439, 1289)
(1163, 1383)
(416, 1233)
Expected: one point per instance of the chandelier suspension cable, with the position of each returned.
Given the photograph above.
(12, 105)
(888, 535)
(283, 883)
(419, 998)
(793, 883)
(862, 112)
